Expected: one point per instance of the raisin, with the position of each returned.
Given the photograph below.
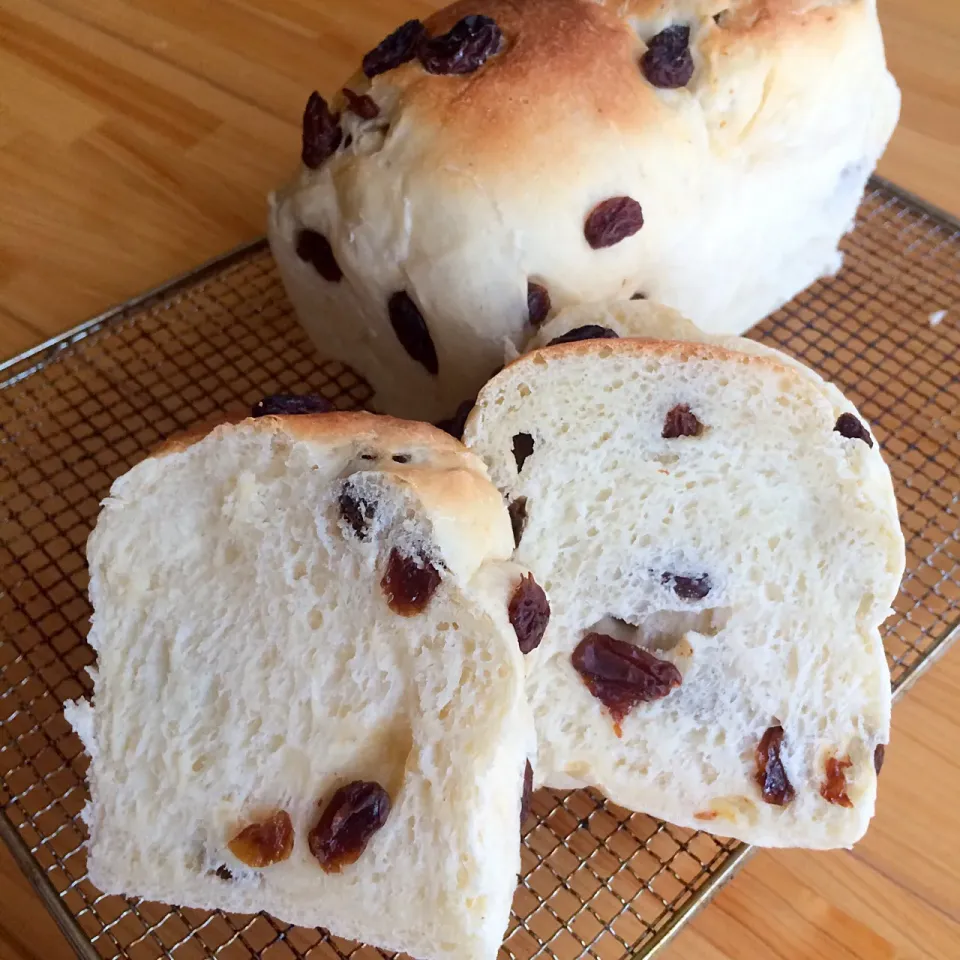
(353, 815)
(590, 331)
(462, 49)
(264, 843)
(518, 518)
(290, 404)
(321, 132)
(364, 106)
(529, 612)
(356, 511)
(538, 303)
(401, 458)
(400, 47)
(834, 788)
(688, 588)
(680, 422)
(409, 583)
(223, 872)
(611, 221)
(314, 248)
(850, 427)
(455, 424)
(526, 798)
(621, 675)
(411, 330)
(522, 448)
(667, 62)
(878, 756)
(771, 777)
(639, 296)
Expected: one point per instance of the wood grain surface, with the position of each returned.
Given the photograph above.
(139, 137)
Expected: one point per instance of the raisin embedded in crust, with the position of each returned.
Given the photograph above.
(880, 751)
(680, 422)
(291, 404)
(409, 583)
(611, 221)
(621, 675)
(321, 132)
(464, 48)
(771, 776)
(589, 331)
(412, 332)
(314, 248)
(529, 612)
(667, 62)
(851, 428)
(538, 303)
(639, 296)
(364, 106)
(399, 47)
(264, 843)
(353, 815)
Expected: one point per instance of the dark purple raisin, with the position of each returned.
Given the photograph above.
(290, 404)
(518, 518)
(526, 798)
(639, 296)
(402, 458)
(680, 422)
(364, 106)
(529, 612)
(771, 777)
(399, 47)
(411, 330)
(314, 248)
(590, 331)
(850, 427)
(455, 424)
(538, 303)
(621, 675)
(667, 62)
(353, 815)
(321, 132)
(356, 511)
(223, 872)
(611, 221)
(462, 49)
(522, 448)
(409, 583)
(688, 588)
(878, 756)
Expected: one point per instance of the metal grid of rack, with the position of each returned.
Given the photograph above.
(597, 880)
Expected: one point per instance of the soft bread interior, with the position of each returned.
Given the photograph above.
(248, 661)
(791, 523)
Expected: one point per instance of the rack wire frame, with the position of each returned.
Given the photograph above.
(597, 881)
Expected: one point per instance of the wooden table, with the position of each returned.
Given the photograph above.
(139, 137)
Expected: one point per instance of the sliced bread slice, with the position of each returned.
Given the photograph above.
(309, 694)
(718, 536)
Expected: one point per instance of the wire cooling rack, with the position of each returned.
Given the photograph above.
(597, 881)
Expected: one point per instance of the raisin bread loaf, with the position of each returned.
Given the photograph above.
(309, 693)
(507, 158)
(718, 536)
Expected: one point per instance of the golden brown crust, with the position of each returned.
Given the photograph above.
(389, 433)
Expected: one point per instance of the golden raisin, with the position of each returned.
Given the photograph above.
(265, 842)
(834, 788)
